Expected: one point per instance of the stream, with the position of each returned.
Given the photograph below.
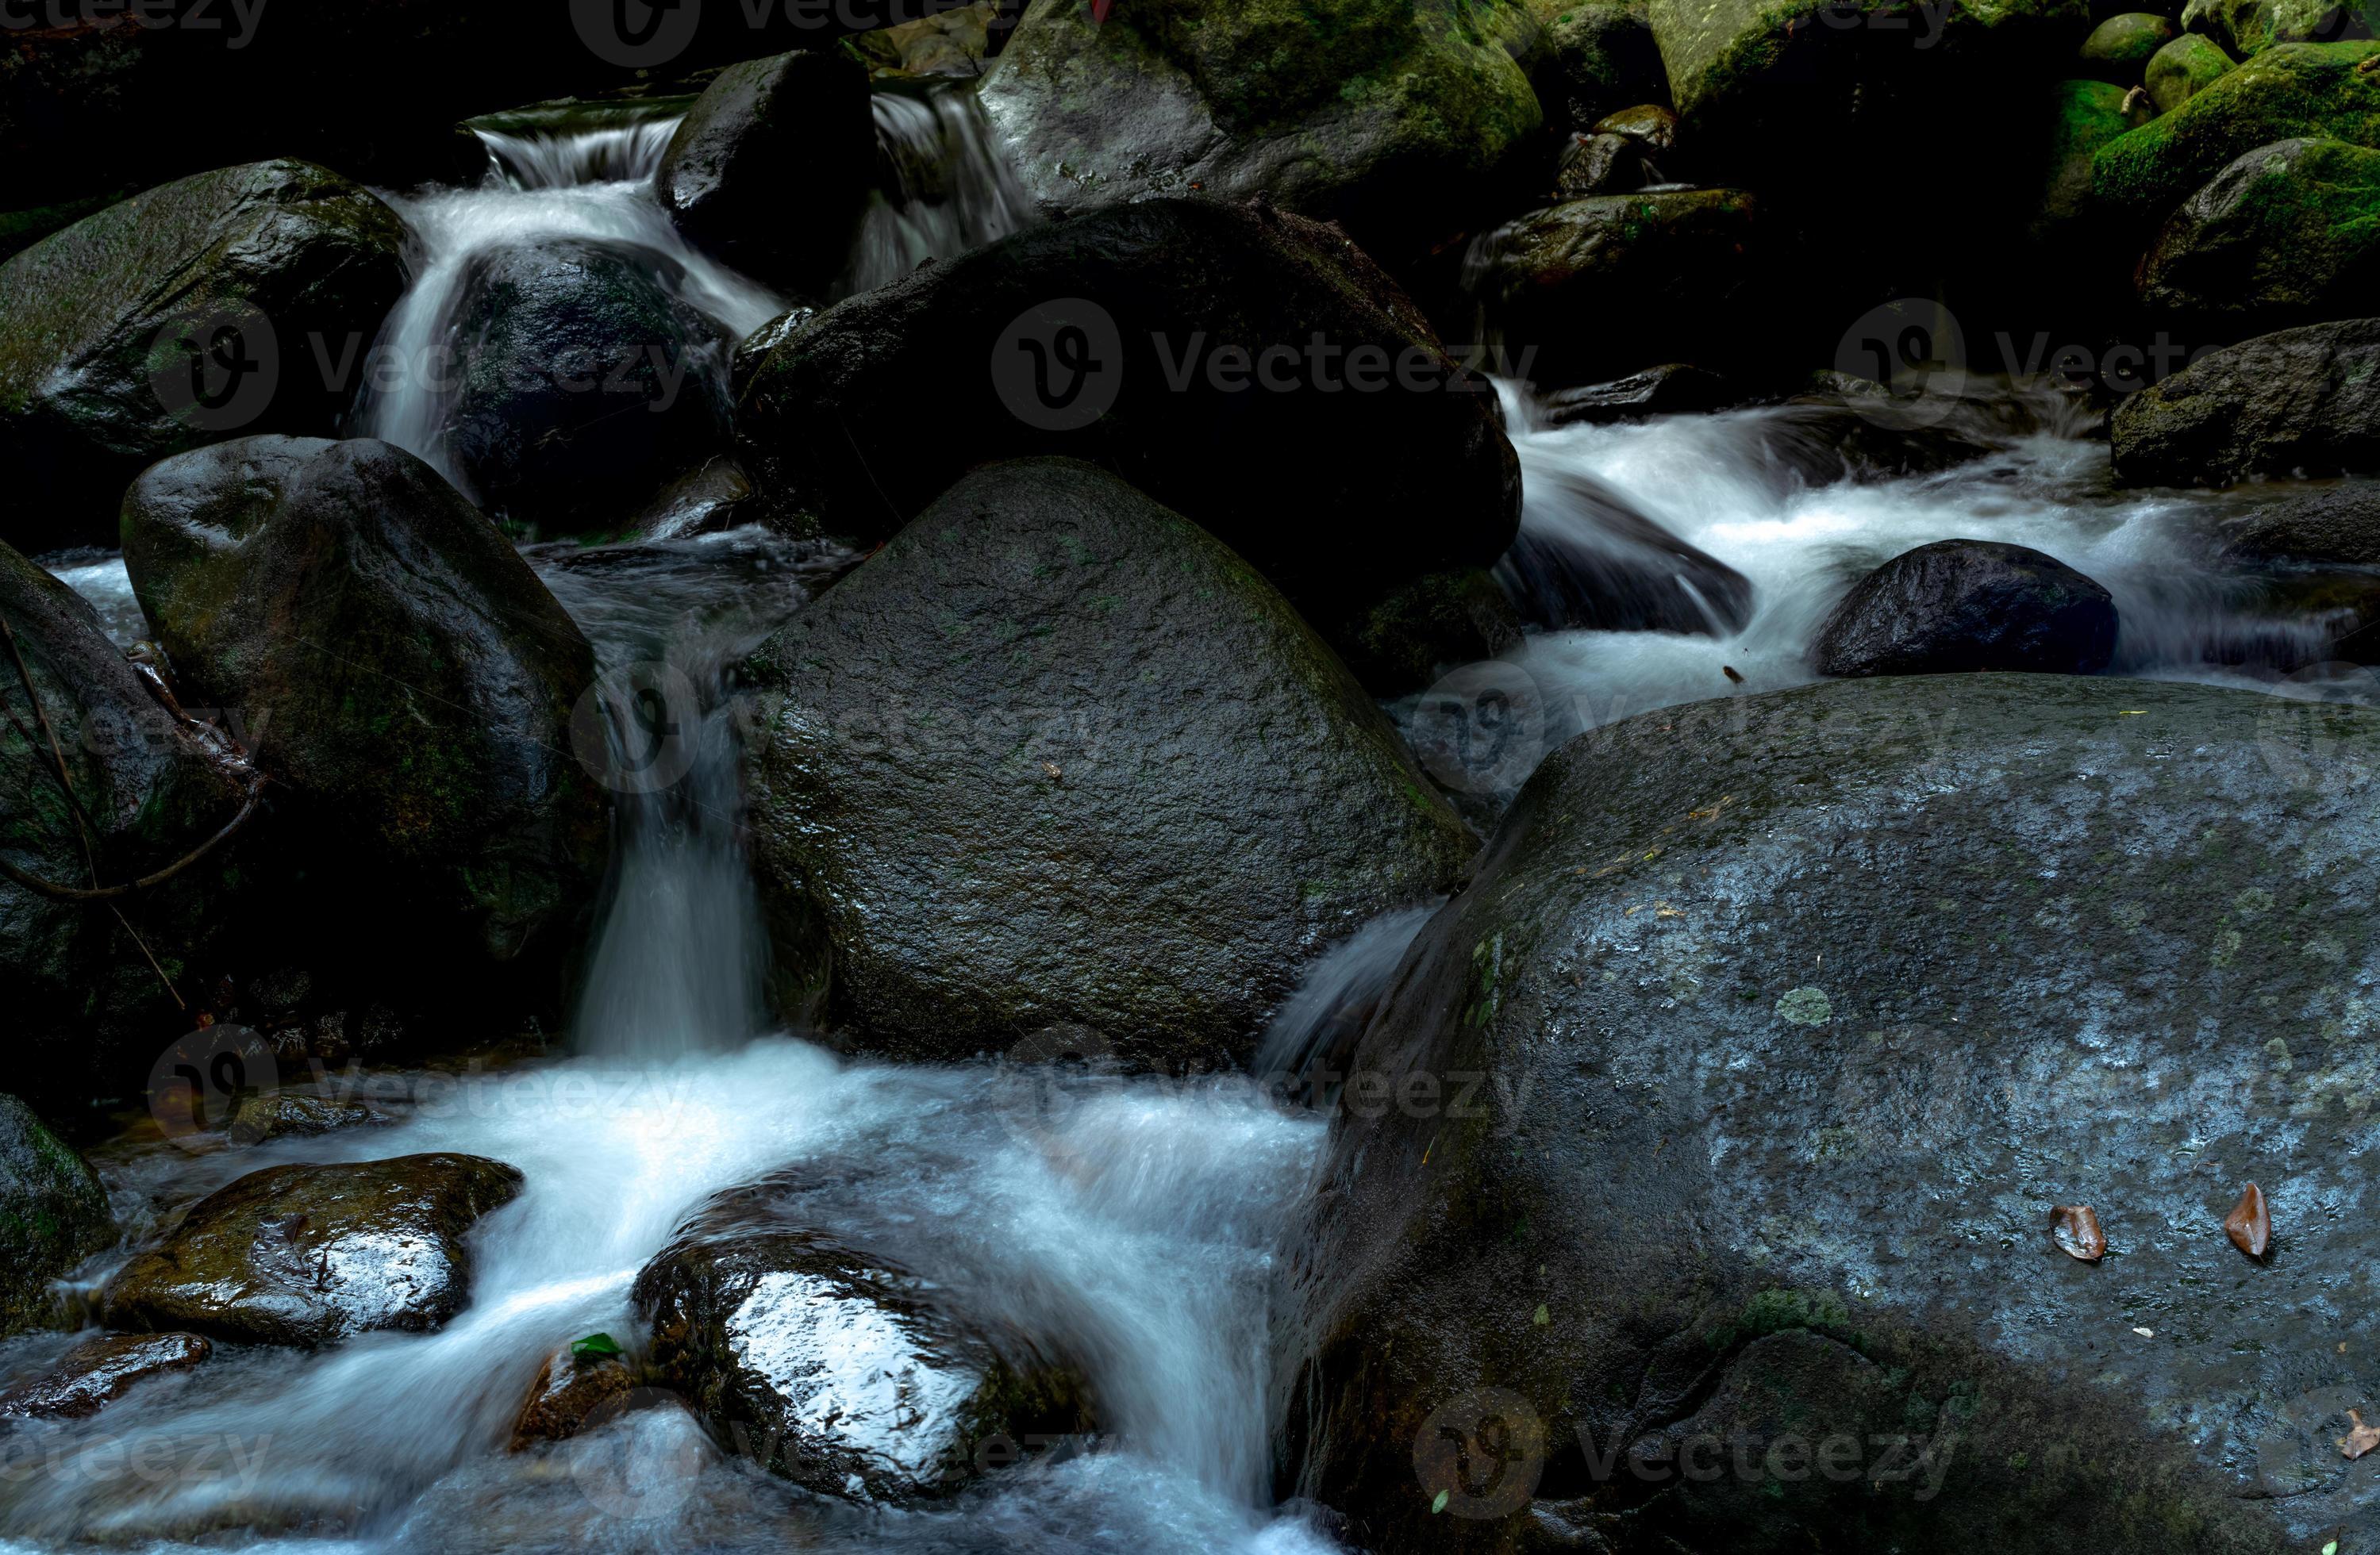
(1145, 1218)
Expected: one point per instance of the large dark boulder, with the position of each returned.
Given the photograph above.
(404, 677)
(1612, 284)
(1006, 776)
(2298, 402)
(589, 382)
(769, 169)
(2286, 235)
(1399, 119)
(152, 788)
(835, 1367)
(1376, 462)
(2286, 92)
(311, 1255)
(53, 1216)
(1957, 606)
(271, 270)
(1701, 1163)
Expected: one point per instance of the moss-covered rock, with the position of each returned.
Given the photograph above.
(1757, 1053)
(1601, 56)
(1025, 800)
(2085, 116)
(2296, 90)
(1594, 288)
(1399, 119)
(2183, 69)
(2119, 48)
(88, 1010)
(1382, 461)
(94, 379)
(311, 1255)
(53, 1216)
(2247, 28)
(408, 681)
(837, 1368)
(2301, 401)
(2288, 234)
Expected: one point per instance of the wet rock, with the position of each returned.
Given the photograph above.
(1959, 866)
(1029, 805)
(2247, 28)
(309, 1254)
(2119, 48)
(1957, 606)
(572, 1391)
(406, 680)
(2290, 234)
(589, 382)
(2250, 1224)
(1400, 121)
(1594, 165)
(1592, 288)
(1373, 478)
(1648, 124)
(1403, 643)
(1674, 388)
(93, 313)
(1586, 558)
(2303, 402)
(2183, 69)
(755, 348)
(284, 1113)
(53, 1216)
(86, 1012)
(844, 1372)
(703, 502)
(2296, 90)
(2337, 525)
(1600, 58)
(768, 171)
(102, 1370)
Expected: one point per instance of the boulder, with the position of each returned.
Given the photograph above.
(1595, 164)
(2295, 90)
(1593, 288)
(2247, 28)
(1701, 1163)
(2119, 48)
(842, 1371)
(405, 679)
(574, 1389)
(2183, 69)
(1029, 803)
(1401, 120)
(1600, 58)
(771, 169)
(308, 1256)
(99, 366)
(1957, 606)
(53, 1216)
(2290, 234)
(2336, 527)
(153, 788)
(1381, 461)
(2298, 402)
(589, 383)
(100, 1371)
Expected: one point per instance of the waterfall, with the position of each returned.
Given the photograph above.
(944, 186)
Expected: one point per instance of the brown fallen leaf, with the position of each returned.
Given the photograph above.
(2075, 1229)
(1730, 671)
(2360, 1439)
(2250, 1224)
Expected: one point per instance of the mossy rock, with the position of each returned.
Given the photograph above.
(2288, 234)
(1004, 778)
(2303, 402)
(2086, 116)
(1399, 119)
(1766, 1009)
(91, 316)
(2119, 48)
(53, 1216)
(2328, 89)
(2247, 28)
(2183, 69)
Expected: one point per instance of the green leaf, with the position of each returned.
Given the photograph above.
(1543, 1317)
(1440, 1504)
(598, 1345)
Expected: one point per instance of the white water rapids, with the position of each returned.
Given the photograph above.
(1141, 1218)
